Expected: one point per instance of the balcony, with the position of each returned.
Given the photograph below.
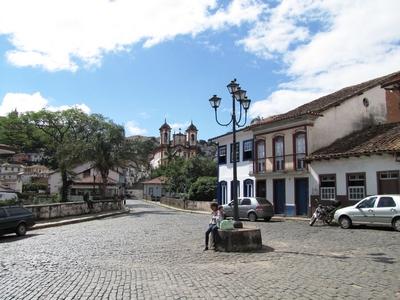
(277, 165)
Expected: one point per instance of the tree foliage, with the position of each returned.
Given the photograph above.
(203, 189)
(70, 137)
(182, 174)
(65, 135)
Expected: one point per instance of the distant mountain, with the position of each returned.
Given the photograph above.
(208, 149)
(143, 138)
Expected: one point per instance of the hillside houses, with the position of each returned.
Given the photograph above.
(86, 179)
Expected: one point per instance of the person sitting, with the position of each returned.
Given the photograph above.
(213, 225)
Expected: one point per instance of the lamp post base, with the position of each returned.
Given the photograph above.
(237, 224)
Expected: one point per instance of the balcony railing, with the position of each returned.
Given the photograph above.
(288, 163)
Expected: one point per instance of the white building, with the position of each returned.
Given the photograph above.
(11, 176)
(246, 182)
(364, 163)
(155, 188)
(88, 179)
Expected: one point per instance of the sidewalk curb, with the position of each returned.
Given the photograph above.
(275, 218)
(78, 220)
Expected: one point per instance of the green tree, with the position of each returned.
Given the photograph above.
(200, 166)
(107, 148)
(203, 189)
(16, 131)
(182, 174)
(65, 135)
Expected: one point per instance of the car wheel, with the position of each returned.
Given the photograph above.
(345, 222)
(267, 219)
(21, 229)
(252, 217)
(396, 224)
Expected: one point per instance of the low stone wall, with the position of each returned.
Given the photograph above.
(59, 210)
(186, 204)
(135, 193)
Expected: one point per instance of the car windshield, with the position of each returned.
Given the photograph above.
(367, 203)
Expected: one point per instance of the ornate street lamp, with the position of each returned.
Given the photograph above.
(238, 95)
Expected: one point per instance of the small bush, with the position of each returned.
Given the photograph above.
(9, 202)
(203, 189)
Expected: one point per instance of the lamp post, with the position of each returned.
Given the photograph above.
(238, 95)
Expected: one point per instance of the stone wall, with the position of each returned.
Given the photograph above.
(135, 193)
(186, 204)
(59, 210)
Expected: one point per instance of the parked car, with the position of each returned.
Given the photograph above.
(15, 219)
(380, 210)
(251, 208)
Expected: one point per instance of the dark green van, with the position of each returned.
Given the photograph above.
(15, 220)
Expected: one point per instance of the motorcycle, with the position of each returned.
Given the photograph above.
(324, 213)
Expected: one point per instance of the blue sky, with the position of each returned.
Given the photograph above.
(138, 63)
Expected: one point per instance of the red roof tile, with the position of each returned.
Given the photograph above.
(372, 140)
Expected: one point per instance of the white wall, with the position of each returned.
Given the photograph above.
(156, 161)
(55, 182)
(340, 167)
(243, 167)
(349, 116)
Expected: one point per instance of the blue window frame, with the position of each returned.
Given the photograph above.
(247, 150)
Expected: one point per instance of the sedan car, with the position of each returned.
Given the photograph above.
(15, 220)
(380, 210)
(251, 208)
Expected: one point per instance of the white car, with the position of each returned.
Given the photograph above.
(379, 210)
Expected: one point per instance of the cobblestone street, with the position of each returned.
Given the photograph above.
(156, 253)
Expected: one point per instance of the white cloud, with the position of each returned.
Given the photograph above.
(132, 128)
(355, 41)
(281, 101)
(66, 34)
(176, 127)
(83, 107)
(23, 102)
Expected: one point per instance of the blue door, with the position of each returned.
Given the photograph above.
(279, 196)
(301, 195)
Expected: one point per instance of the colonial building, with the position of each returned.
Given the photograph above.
(6, 151)
(183, 145)
(366, 162)
(87, 179)
(11, 176)
(244, 158)
(36, 174)
(282, 142)
(155, 188)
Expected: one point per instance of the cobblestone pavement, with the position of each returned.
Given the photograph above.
(156, 253)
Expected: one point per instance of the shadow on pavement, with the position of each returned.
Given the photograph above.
(13, 238)
(371, 227)
(265, 249)
(150, 212)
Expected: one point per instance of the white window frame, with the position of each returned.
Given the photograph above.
(356, 193)
(330, 192)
